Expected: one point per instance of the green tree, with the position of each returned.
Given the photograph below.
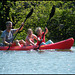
(61, 26)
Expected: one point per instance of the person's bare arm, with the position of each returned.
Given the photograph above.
(31, 42)
(46, 30)
(35, 37)
(21, 27)
(5, 42)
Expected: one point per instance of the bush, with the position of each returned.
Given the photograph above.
(17, 11)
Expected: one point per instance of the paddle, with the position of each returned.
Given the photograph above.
(50, 16)
(30, 13)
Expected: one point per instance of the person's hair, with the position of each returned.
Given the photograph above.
(38, 28)
(30, 30)
(8, 22)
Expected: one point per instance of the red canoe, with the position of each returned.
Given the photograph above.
(65, 44)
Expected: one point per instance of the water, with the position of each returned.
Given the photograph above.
(33, 62)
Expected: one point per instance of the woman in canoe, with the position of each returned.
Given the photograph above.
(30, 38)
(7, 35)
(39, 36)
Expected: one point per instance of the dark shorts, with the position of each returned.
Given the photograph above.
(1, 44)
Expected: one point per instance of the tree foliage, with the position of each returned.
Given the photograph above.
(61, 26)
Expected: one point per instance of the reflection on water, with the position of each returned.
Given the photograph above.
(64, 50)
(38, 62)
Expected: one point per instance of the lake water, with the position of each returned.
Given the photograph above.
(33, 62)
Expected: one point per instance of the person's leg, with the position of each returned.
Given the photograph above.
(17, 42)
(22, 42)
(43, 43)
(49, 42)
(14, 44)
(1, 44)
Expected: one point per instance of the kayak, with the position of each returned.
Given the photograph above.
(65, 44)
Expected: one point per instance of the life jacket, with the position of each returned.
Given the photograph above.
(38, 42)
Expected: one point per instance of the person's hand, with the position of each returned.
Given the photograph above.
(22, 24)
(41, 39)
(35, 46)
(46, 28)
(10, 44)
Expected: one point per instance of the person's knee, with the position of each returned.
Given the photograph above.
(22, 40)
(43, 43)
(17, 41)
(50, 41)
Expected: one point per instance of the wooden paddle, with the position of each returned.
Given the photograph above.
(50, 16)
(30, 13)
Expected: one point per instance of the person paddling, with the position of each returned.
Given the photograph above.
(7, 35)
(39, 36)
(30, 38)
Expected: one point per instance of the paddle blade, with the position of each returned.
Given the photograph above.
(30, 13)
(52, 12)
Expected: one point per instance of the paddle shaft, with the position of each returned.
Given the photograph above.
(30, 13)
(18, 30)
(16, 33)
(50, 16)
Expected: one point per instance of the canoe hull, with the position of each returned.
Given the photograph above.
(65, 44)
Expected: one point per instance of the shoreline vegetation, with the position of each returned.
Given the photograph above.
(61, 26)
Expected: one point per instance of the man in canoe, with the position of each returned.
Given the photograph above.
(39, 36)
(7, 35)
